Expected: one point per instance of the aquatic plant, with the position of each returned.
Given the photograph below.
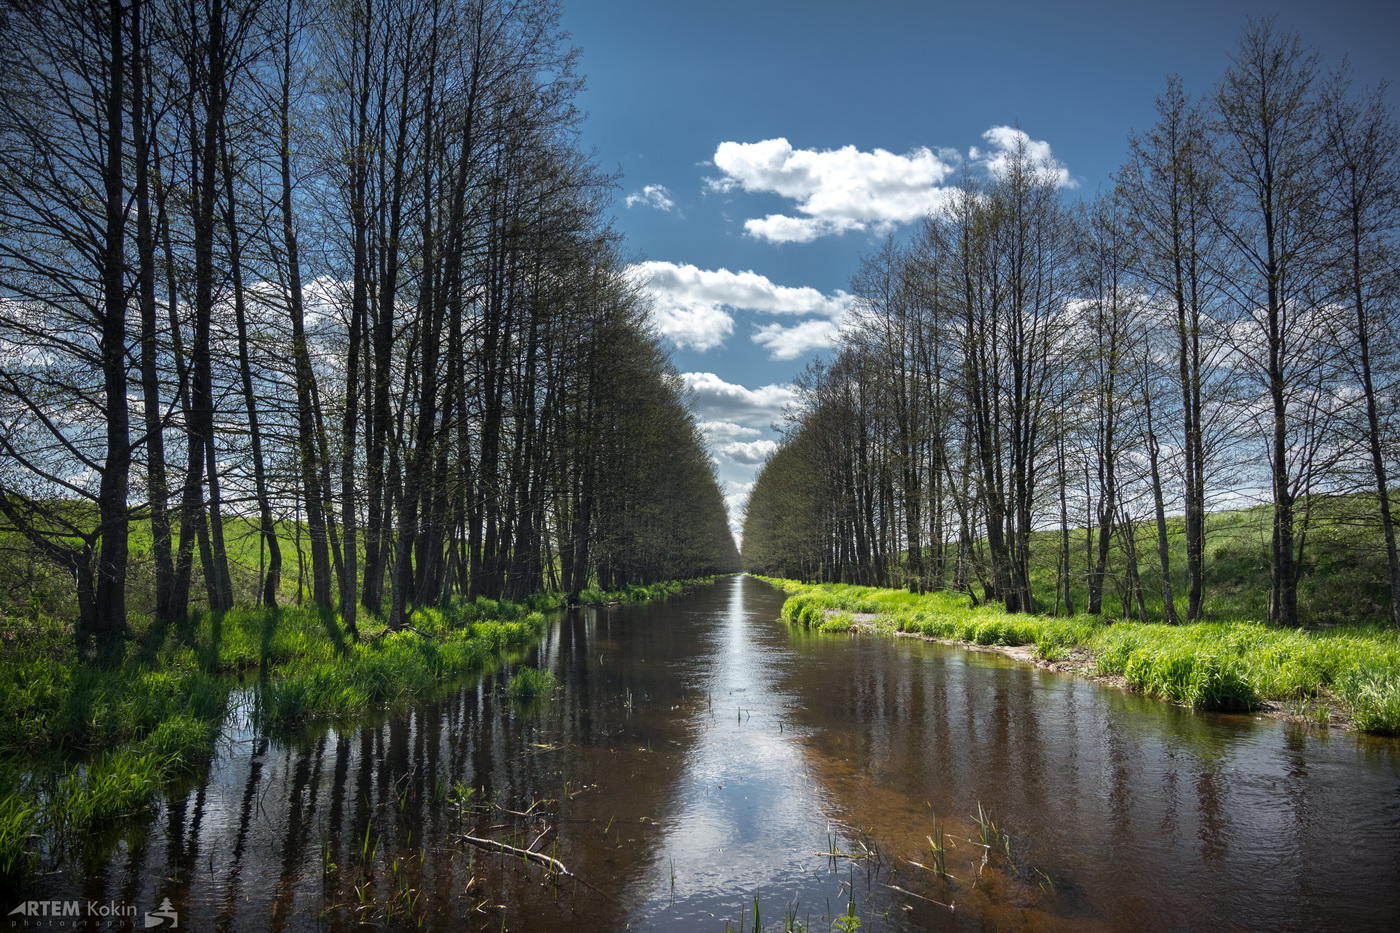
(529, 683)
(116, 785)
(1373, 692)
(937, 843)
(850, 921)
(991, 837)
(18, 833)
(837, 622)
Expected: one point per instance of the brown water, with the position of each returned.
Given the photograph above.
(700, 755)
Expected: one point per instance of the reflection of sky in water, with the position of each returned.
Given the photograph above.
(749, 819)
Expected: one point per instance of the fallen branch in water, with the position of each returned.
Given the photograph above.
(553, 864)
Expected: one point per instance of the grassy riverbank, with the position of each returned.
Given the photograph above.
(1225, 665)
(85, 746)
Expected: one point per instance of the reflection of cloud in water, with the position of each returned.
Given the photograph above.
(749, 818)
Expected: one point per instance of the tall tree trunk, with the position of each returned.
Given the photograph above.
(109, 616)
(157, 482)
(1159, 510)
(205, 63)
(304, 375)
(267, 525)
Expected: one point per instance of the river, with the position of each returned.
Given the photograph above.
(701, 758)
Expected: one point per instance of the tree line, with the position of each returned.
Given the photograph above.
(336, 271)
(1218, 328)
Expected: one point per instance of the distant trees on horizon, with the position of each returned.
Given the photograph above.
(333, 267)
(1220, 324)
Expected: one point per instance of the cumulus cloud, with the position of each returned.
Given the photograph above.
(788, 343)
(736, 499)
(656, 196)
(836, 190)
(1005, 142)
(701, 327)
(719, 432)
(689, 286)
(694, 307)
(717, 400)
(750, 453)
(736, 496)
(841, 190)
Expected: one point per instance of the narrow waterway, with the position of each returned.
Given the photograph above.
(700, 757)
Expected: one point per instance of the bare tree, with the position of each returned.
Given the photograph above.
(64, 194)
(1169, 183)
(1361, 146)
(1267, 113)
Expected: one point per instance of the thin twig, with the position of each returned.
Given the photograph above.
(553, 864)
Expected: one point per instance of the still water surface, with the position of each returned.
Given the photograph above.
(700, 756)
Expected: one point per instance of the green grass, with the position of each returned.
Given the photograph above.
(19, 833)
(638, 593)
(1344, 572)
(87, 745)
(528, 683)
(398, 667)
(1373, 691)
(1222, 665)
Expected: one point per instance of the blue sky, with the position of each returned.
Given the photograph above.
(765, 146)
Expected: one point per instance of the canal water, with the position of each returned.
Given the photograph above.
(701, 761)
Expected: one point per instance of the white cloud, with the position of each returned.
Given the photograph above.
(780, 228)
(717, 432)
(788, 343)
(689, 286)
(736, 496)
(692, 306)
(701, 327)
(717, 400)
(750, 453)
(656, 196)
(841, 190)
(836, 190)
(1005, 141)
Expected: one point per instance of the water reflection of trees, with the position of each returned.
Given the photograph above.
(1132, 808)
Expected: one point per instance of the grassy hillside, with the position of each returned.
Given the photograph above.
(31, 586)
(1344, 566)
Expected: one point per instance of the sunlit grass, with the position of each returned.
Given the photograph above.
(638, 593)
(85, 744)
(1373, 692)
(1231, 665)
(530, 683)
(397, 667)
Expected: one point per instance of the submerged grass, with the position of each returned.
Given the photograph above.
(1224, 665)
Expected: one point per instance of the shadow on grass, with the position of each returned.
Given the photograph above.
(330, 621)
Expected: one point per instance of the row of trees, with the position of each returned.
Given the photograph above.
(1218, 328)
(335, 270)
